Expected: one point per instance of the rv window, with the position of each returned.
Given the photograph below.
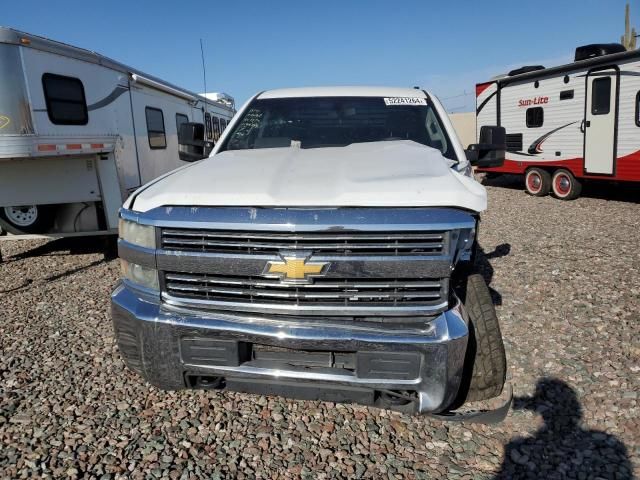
(180, 119)
(207, 124)
(155, 128)
(65, 100)
(535, 117)
(601, 96)
(216, 129)
(638, 109)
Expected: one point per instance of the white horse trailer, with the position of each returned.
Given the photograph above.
(79, 132)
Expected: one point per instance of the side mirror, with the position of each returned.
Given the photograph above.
(191, 145)
(491, 150)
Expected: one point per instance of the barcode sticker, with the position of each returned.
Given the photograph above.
(390, 101)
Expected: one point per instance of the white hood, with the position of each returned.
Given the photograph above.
(377, 174)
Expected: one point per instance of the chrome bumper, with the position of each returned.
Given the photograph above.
(152, 337)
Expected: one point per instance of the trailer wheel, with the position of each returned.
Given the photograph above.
(21, 219)
(537, 182)
(564, 185)
(485, 366)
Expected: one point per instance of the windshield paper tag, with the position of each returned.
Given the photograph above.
(389, 101)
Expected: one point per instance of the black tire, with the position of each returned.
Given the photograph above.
(42, 218)
(564, 185)
(537, 182)
(485, 368)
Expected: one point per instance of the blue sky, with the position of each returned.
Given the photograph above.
(446, 46)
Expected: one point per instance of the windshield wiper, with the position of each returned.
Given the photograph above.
(325, 145)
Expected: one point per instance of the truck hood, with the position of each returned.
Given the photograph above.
(377, 174)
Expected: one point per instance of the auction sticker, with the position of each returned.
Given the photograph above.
(390, 101)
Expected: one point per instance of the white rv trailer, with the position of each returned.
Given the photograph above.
(570, 123)
(79, 132)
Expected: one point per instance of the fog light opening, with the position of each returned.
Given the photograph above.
(205, 382)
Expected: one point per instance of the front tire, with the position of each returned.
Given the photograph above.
(565, 186)
(485, 369)
(20, 219)
(537, 182)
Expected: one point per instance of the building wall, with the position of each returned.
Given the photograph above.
(465, 125)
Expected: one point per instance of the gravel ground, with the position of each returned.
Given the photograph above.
(564, 276)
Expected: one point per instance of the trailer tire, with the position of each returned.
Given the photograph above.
(537, 182)
(485, 368)
(27, 218)
(564, 185)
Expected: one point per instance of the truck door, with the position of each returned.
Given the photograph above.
(599, 124)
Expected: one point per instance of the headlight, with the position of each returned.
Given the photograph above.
(143, 276)
(141, 235)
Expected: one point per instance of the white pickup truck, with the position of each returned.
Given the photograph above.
(323, 251)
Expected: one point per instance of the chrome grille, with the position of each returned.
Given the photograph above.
(321, 243)
(325, 292)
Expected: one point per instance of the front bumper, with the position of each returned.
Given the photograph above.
(176, 348)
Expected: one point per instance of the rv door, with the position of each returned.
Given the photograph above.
(599, 123)
(15, 111)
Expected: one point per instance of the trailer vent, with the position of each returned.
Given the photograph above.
(566, 94)
(514, 142)
(598, 50)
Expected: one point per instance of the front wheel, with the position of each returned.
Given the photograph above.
(565, 186)
(485, 369)
(20, 219)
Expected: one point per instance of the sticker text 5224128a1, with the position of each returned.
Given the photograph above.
(390, 101)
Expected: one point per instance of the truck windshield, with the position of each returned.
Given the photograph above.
(317, 122)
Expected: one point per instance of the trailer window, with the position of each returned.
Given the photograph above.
(155, 128)
(65, 100)
(216, 129)
(601, 96)
(207, 125)
(535, 117)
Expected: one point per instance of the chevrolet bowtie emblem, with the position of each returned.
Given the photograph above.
(294, 268)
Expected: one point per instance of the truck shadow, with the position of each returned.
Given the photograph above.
(62, 247)
(561, 448)
(486, 269)
(621, 191)
(51, 278)
(70, 246)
